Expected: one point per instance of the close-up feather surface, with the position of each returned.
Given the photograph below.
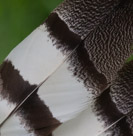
(70, 76)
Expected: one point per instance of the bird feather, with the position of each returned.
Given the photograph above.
(63, 76)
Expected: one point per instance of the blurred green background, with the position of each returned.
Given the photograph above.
(18, 18)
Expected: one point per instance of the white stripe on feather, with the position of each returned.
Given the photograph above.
(86, 124)
(14, 127)
(69, 101)
(64, 95)
(6, 108)
(36, 57)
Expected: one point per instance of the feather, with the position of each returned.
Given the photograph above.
(59, 73)
(113, 107)
(121, 93)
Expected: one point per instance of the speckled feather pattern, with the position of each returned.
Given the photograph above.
(122, 89)
(82, 16)
(110, 44)
(86, 72)
(116, 102)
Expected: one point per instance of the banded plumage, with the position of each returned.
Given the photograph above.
(69, 77)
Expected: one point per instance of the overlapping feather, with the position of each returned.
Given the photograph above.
(67, 75)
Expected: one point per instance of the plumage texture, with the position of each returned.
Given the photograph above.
(83, 16)
(69, 73)
(110, 43)
(122, 89)
(116, 102)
